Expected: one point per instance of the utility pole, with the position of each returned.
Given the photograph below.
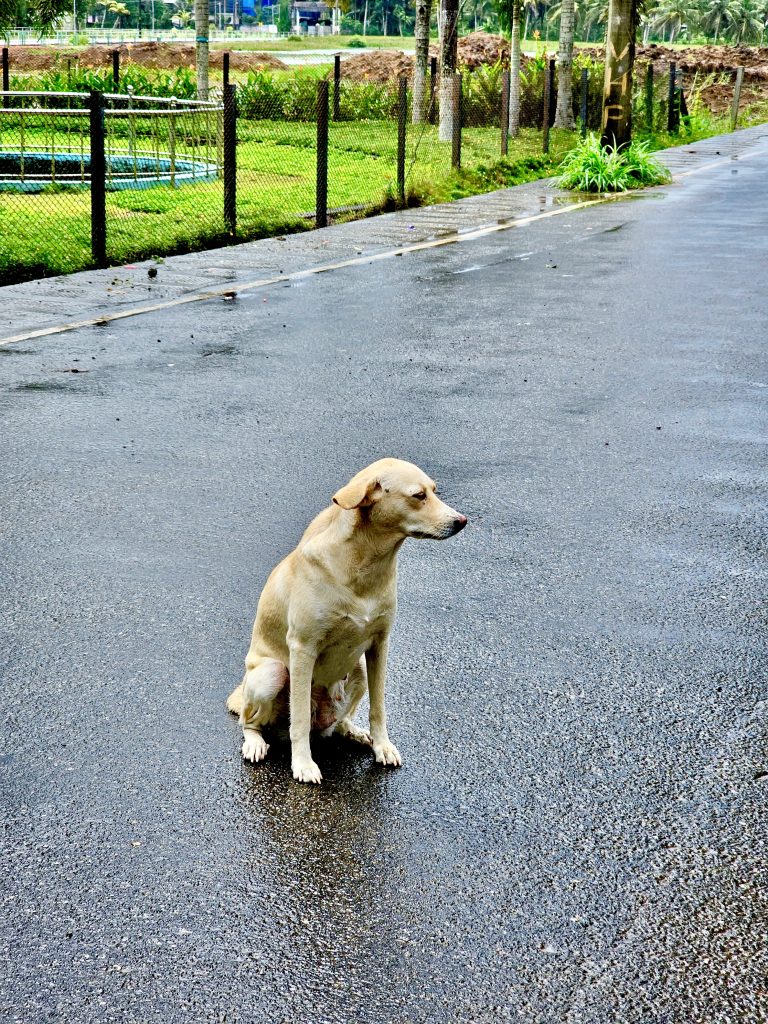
(619, 61)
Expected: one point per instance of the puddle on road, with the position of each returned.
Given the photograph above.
(220, 350)
(43, 385)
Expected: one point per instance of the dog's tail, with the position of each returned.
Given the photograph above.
(235, 700)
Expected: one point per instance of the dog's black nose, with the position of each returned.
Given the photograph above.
(459, 523)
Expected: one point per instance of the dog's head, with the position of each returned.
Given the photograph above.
(399, 497)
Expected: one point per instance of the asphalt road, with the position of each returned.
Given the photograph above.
(577, 681)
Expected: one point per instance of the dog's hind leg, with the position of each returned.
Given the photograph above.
(357, 685)
(261, 685)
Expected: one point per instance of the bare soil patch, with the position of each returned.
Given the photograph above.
(475, 50)
(166, 56)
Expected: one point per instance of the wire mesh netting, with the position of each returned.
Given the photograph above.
(164, 188)
(165, 171)
(161, 170)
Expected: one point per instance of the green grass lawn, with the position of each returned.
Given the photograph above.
(49, 232)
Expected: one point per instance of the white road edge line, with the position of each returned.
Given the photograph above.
(244, 286)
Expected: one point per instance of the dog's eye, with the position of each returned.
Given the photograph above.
(421, 496)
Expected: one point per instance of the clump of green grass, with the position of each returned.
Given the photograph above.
(591, 167)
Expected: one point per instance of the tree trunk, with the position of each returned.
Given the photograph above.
(619, 60)
(365, 19)
(514, 71)
(201, 47)
(564, 114)
(420, 92)
(448, 65)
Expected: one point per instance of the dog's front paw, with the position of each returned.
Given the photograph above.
(254, 747)
(387, 753)
(353, 732)
(305, 770)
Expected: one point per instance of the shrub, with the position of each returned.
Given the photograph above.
(591, 167)
(261, 96)
(367, 101)
(356, 42)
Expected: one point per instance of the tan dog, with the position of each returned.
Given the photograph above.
(324, 617)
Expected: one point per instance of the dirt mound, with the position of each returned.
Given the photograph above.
(149, 55)
(706, 59)
(383, 66)
(483, 48)
(719, 98)
(380, 67)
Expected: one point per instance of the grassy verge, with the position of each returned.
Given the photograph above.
(275, 192)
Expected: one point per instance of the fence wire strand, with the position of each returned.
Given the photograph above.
(165, 188)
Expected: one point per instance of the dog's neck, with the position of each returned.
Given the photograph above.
(368, 545)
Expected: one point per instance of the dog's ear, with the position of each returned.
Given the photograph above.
(360, 492)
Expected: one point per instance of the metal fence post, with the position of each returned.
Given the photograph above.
(552, 94)
(682, 106)
(337, 87)
(433, 90)
(230, 159)
(545, 112)
(98, 181)
(116, 70)
(505, 79)
(402, 118)
(671, 99)
(225, 68)
(321, 202)
(649, 98)
(456, 137)
(6, 70)
(584, 100)
(736, 98)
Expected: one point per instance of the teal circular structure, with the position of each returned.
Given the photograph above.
(40, 171)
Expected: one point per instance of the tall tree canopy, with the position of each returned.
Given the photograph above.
(40, 13)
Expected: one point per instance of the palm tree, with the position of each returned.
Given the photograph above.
(718, 15)
(202, 13)
(449, 18)
(514, 71)
(564, 112)
(619, 60)
(42, 13)
(675, 15)
(183, 13)
(531, 8)
(421, 31)
(746, 24)
(594, 12)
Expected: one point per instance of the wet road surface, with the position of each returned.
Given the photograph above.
(577, 681)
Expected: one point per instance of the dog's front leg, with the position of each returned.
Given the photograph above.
(302, 664)
(376, 663)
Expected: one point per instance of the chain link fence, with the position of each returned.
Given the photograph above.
(134, 166)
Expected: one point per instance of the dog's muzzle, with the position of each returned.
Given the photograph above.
(457, 525)
(448, 530)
